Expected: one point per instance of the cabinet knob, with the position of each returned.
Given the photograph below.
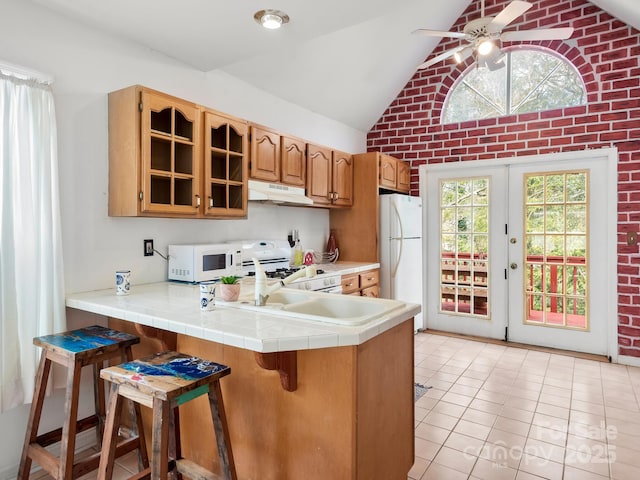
(197, 201)
(210, 202)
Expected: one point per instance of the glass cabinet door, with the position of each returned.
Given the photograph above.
(170, 156)
(225, 166)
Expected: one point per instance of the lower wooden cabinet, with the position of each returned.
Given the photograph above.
(362, 284)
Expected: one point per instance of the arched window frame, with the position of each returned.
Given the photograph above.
(508, 50)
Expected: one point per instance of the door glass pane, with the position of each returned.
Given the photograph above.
(556, 254)
(464, 246)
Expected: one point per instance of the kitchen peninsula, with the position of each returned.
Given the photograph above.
(305, 399)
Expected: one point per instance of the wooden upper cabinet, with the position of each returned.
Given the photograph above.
(319, 172)
(154, 154)
(403, 183)
(394, 174)
(226, 144)
(172, 158)
(329, 176)
(342, 179)
(293, 167)
(277, 158)
(265, 154)
(388, 171)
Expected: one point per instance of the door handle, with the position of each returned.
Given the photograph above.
(513, 266)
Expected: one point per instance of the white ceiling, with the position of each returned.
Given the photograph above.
(344, 59)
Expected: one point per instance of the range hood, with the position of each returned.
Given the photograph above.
(276, 193)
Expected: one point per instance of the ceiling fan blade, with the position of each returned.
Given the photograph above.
(542, 34)
(508, 15)
(438, 33)
(442, 56)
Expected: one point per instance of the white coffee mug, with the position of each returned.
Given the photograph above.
(207, 296)
(123, 282)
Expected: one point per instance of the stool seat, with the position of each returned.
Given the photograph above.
(74, 349)
(163, 382)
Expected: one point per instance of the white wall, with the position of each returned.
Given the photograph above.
(87, 64)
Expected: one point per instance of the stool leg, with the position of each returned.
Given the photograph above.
(160, 440)
(112, 423)
(135, 417)
(175, 449)
(227, 465)
(34, 416)
(68, 441)
(137, 428)
(99, 401)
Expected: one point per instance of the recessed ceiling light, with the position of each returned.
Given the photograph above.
(271, 19)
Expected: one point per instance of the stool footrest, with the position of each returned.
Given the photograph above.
(142, 474)
(54, 436)
(47, 460)
(194, 471)
(50, 463)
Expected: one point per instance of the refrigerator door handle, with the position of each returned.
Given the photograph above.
(401, 240)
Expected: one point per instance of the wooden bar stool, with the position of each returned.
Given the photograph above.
(75, 349)
(163, 382)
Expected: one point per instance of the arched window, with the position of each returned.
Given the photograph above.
(532, 81)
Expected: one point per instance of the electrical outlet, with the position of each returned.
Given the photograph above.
(148, 248)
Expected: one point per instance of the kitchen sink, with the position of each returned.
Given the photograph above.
(346, 308)
(321, 307)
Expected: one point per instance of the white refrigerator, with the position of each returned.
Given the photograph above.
(401, 250)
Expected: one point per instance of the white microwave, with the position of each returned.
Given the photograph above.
(204, 262)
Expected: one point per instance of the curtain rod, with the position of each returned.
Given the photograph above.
(24, 73)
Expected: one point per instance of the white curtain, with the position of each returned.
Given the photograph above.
(31, 270)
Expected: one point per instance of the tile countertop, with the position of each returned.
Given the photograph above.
(347, 268)
(175, 307)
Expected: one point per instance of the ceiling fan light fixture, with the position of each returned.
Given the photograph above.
(461, 55)
(271, 19)
(485, 47)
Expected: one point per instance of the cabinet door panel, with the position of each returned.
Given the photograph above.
(293, 168)
(265, 155)
(373, 291)
(388, 173)
(170, 155)
(342, 179)
(404, 177)
(319, 174)
(225, 166)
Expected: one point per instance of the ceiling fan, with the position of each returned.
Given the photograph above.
(482, 33)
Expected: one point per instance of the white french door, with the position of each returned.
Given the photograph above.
(557, 243)
(466, 245)
(523, 249)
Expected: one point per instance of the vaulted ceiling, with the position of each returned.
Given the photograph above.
(346, 60)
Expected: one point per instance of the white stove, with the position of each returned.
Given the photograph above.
(275, 258)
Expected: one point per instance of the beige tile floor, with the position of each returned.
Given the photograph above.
(504, 413)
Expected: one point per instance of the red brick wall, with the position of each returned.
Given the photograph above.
(605, 51)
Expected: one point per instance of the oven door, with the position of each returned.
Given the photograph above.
(337, 290)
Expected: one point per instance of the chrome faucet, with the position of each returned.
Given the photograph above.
(263, 290)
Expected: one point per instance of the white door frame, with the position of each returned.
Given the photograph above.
(610, 250)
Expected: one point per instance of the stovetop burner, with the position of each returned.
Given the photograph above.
(281, 273)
